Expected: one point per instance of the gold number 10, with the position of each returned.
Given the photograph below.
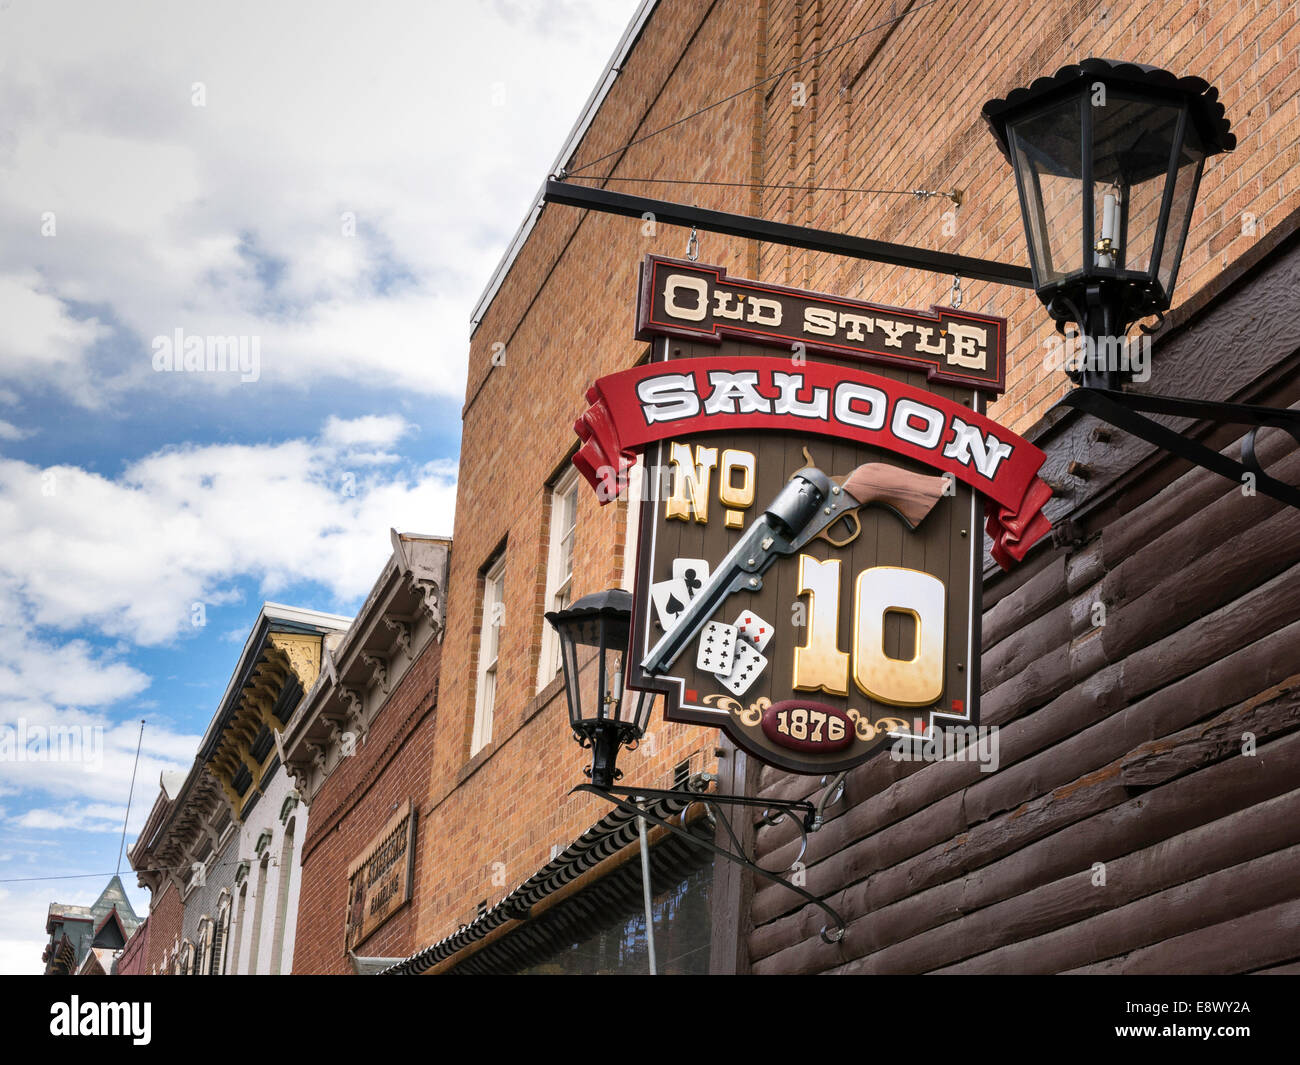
(819, 665)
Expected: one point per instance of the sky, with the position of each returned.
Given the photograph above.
(329, 184)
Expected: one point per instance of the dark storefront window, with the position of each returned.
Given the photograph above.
(601, 930)
(681, 916)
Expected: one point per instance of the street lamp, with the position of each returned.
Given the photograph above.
(1107, 157)
(594, 635)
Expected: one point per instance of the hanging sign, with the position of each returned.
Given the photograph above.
(814, 479)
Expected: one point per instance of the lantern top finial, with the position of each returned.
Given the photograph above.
(1203, 99)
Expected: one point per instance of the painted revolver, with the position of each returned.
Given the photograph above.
(807, 508)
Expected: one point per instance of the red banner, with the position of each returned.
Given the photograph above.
(665, 400)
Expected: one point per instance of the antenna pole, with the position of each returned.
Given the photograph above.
(129, 796)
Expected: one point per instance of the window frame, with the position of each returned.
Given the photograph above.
(559, 585)
(485, 690)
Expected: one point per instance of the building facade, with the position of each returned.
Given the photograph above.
(1127, 827)
(90, 940)
(358, 748)
(220, 852)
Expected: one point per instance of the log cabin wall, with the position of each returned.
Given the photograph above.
(1143, 672)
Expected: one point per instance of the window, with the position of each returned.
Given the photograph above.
(221, 935)
(631, 531)
(283, 922)
(489, 643)
(559, 569)
(260, 889)
(602, 929)
(202, 958)
(238, 931)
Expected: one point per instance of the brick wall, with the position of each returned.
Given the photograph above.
(894, 106)
(352, 807)
(166, 913)
(134, 960)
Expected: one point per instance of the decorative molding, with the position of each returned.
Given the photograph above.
(301, 777)
(356, 703)
(263, 841)
(288, 806)
(303, 653)
(402, 629)
(241, 872)
(378, 669)
(317, 755)
(430, 597)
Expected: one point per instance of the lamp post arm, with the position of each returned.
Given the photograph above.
(739, 225)
(804, 809)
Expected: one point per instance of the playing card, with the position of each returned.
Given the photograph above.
(749, 663)
(693, 573)
(717, 648)
(753, 629)
(670, 600)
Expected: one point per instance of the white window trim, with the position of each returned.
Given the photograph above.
(489, 639)
(557, 584)
(632, 531)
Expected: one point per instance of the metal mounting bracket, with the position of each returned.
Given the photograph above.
(806, 814)
(738, 225)
(1125, 410)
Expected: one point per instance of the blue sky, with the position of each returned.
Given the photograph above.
(331, 184)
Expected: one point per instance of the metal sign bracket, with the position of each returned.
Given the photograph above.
(807, 816)
(1126, 410)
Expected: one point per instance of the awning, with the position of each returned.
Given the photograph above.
(602, 840)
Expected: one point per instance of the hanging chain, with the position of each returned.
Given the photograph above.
(693, 246)
(954, 297)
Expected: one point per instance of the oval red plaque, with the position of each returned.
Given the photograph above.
(807, 726)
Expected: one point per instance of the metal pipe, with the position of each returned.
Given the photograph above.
(738, 225)
(645, 890)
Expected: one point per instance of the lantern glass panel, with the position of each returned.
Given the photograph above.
(588, 674)
(1191, 158)
(1048, 153)
(1132, 147)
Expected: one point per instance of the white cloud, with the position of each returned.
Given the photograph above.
(382, 430)
(41, 341)
(339, 194)
(131, 555)
(93, 817)
(9, 431)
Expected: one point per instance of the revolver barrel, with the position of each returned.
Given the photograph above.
(767, 539)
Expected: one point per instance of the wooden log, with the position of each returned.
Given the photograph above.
(1164, 916)
(1259, 938)
(1291, 968)
(1219, 845)
(1042, 860)
(1195, 584)
(1151, 595)
(1069, 740)
(999, 583)
(1267, 715)
(791, 946)
(1195, 492)
(1258, 612)
(1031, 601)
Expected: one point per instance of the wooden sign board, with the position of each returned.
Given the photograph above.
(812, 512)
(379, 881)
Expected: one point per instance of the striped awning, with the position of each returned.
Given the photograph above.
(602, 840)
